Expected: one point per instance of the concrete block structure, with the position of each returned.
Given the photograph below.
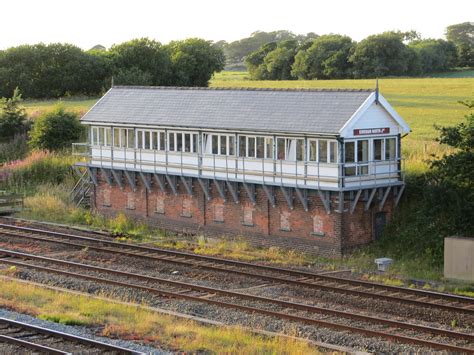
(319, 171)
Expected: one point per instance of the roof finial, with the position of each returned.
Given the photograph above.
(376, 90)
(112, 81)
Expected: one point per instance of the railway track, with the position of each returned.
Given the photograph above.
(308, 314)
(43, 340)
(420, 298)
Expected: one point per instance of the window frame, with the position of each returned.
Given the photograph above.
(218, 139)
(153, 134)
(331, 150)
(179, 141)
(106, 140)
(267, 153)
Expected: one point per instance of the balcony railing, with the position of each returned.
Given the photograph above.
(304, 174)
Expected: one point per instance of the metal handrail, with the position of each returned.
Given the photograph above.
(118, 156)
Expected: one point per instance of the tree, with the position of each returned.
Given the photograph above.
(56, 130)
(194, 61)
(451, 177)
(277, 63)
(381, 55)
(12, 117)
(462, 35)
(433, 55)
(140, 62)
(255, 61)
(54, 70)
(326, 58)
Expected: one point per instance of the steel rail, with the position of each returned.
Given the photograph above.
(213, 291)
(302, 274)
(32, 346)
(58, 334)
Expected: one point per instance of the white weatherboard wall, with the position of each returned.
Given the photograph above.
(459, 258)
(375, 117)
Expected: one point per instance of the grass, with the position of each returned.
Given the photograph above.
(136, 322)
(78, 104)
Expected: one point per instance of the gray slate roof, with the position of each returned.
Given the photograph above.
(258, 110)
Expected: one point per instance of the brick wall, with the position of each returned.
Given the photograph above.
(313, 231)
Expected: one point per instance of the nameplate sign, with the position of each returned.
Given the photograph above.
(371, 131)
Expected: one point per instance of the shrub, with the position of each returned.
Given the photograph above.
(12, 117)
(15, 149)
(56, 130)
(40, 167)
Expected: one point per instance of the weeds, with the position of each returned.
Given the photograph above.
(135, 322)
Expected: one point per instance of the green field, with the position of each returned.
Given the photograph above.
(423, 103)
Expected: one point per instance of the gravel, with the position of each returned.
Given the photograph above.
(74, 330)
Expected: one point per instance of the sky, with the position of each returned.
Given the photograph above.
(86, 23)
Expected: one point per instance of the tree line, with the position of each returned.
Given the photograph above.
(56, 70)
(387, 54)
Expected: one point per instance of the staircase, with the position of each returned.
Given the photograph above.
(81, 193)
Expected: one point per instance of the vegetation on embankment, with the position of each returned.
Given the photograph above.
(134, 322)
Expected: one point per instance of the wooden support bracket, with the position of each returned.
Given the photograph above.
(146, 181)
(205, 187)
(118, 178)
(270, 194)
(303, 196)
(233, 189)
(369, 201)
(220, 189)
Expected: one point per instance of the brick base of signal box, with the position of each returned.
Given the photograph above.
(313, 231)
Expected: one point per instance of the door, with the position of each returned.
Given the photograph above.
(380, 220)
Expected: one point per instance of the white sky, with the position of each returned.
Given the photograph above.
(90, 22)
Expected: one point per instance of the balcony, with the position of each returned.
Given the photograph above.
(300, 174)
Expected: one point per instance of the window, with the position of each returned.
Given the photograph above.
(356, 152)
(181, 142)
(385, 149)
(101, 136)
(269, 148)
(148, 139)
(171, 140)
(290, 149)
(187, 142)
(256, 147)
(194, 143)
(332, 152)
(312, 150)
(362, 151)
(349, 152)
(260, 147)
(162, 141)
(223, 143)
(231, 145)
(219, 144)
(242, 146)
(323, 151)
(390, 149)
(300, 149)
(124, 138)
(251, 147)
(378, 149)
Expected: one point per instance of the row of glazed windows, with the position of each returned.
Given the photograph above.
(318, 150)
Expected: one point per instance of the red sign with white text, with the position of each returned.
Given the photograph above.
(370, 131)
